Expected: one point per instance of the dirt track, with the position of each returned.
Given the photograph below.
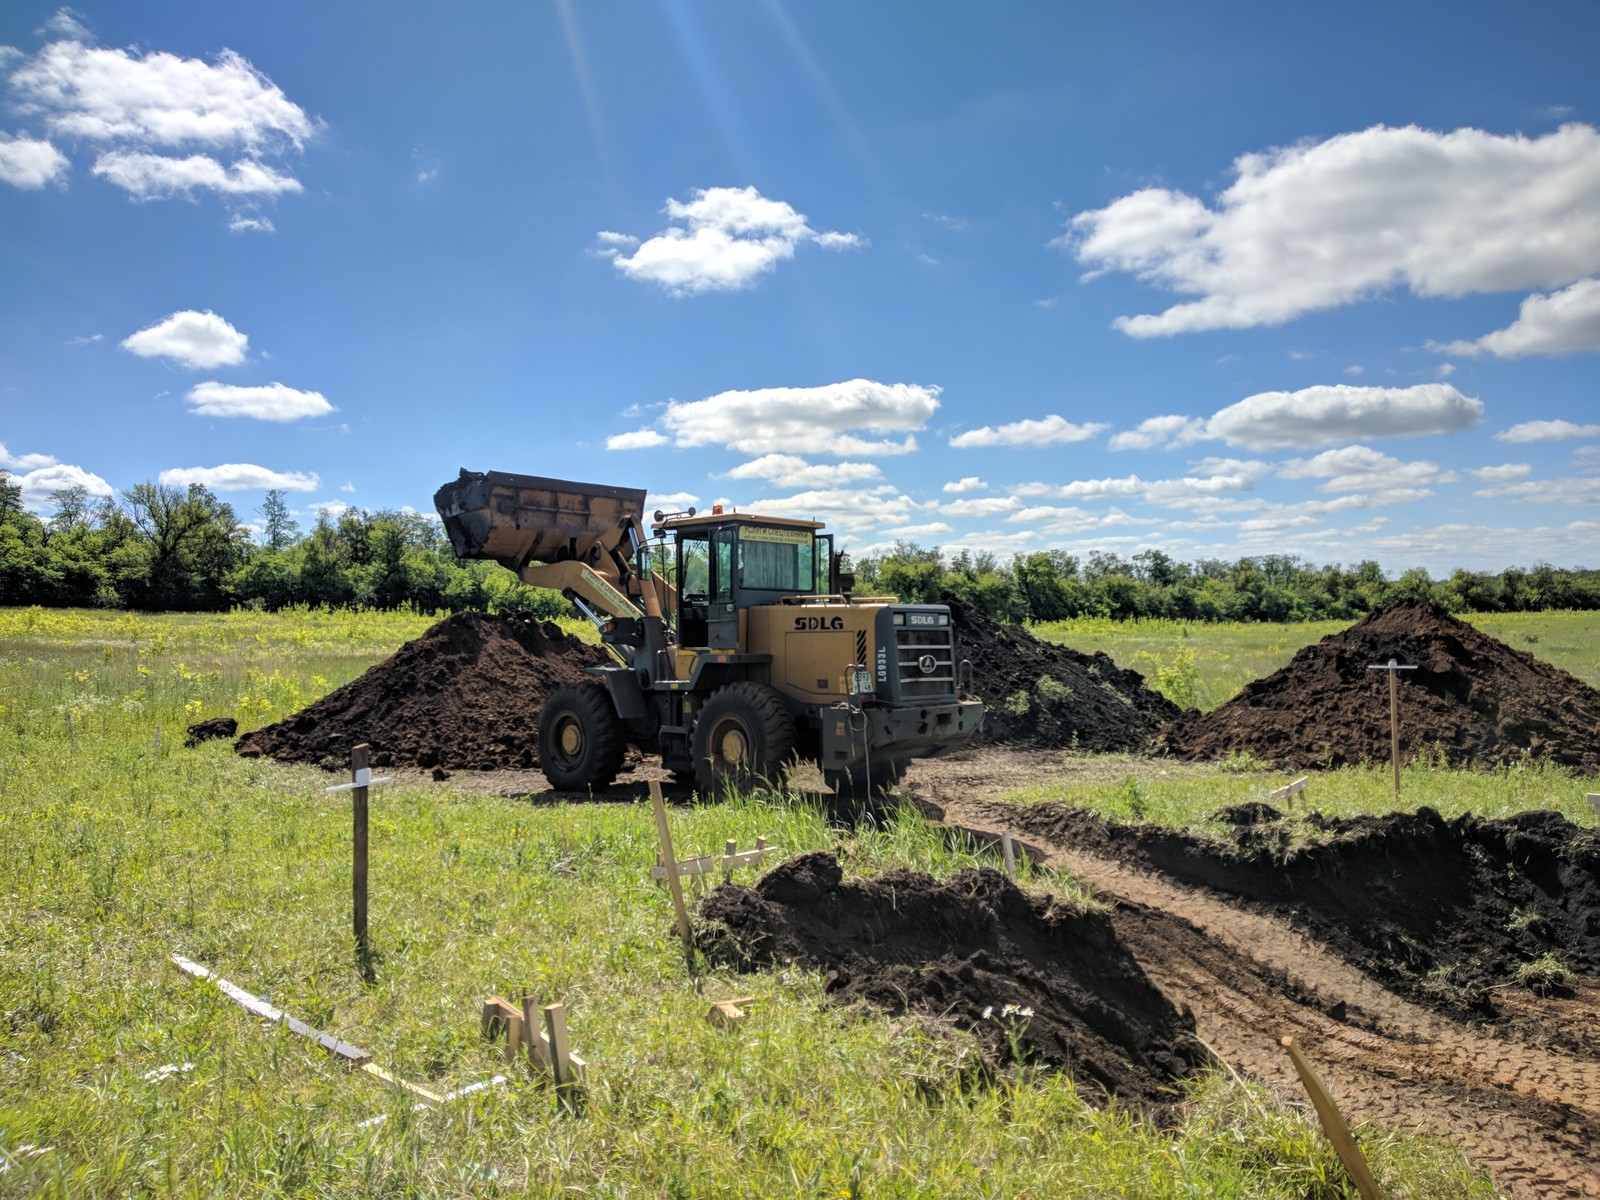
(1525, 1110)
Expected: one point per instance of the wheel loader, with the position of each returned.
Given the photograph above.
(743, 653)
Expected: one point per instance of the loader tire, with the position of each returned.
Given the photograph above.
(581, 742)
(743, 740)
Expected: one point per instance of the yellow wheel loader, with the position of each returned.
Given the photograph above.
(742, 651)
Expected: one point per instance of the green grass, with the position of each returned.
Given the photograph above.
(1205, 665)
(122, 848)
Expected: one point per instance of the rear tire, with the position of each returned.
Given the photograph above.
(581, 742)
(744, 739)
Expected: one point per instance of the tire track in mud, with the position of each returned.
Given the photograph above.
(1528, 1114)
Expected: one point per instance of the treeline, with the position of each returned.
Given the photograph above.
(1056, 585)
(183, 549)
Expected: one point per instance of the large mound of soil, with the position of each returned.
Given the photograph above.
(1473, 698)
(1442, 910)
(957, 950)
(466, 694)
(1041, 694)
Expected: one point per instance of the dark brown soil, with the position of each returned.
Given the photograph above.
(464, 695)
(1472, 700)
(1446, 912)
(1085, 700)
(960, 952)
(205, 731)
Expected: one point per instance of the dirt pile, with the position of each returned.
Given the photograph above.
(1475, 699)
(1041, 694)
(1444, 911)
(464, 695)
(961, 951)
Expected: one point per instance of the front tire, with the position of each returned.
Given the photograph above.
(743, 740)
(581, 743)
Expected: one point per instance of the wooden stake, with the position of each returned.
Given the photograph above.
(514, 1035)
(1333, 1123)
(538, 1048)
(360, 770)
(1394, 668)
(674, 885)
(1011, 857)
(555, 1023)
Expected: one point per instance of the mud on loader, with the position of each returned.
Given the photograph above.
(751, 656)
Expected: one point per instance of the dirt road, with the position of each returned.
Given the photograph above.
(1522, 1096)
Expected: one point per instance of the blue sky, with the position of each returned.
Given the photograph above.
(1219, 280)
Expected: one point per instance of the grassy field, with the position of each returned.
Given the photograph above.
(121, 1076)
(1202, 666)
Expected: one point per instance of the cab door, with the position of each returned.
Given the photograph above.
(723, 617)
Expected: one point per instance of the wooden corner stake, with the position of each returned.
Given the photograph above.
(1333, 1123)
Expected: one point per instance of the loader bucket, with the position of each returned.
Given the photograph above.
(521, 519)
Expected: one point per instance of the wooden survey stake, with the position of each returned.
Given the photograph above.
(670, 862)
(360, 780)
(1394, 669)
(1333, 1123)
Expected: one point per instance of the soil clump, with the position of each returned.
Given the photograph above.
(1473, 701)
(205, 731)
(1041, 694)
(969, 952)
(466, 695)
(1449, 912)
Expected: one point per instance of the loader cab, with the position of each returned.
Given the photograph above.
(727, 563)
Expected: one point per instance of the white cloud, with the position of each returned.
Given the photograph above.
(1165, 433)
(1504, 473)
(967, 483)
(1324, 414)
(1047, 431)
(1361, 468)
(158, 177)
(849, 511)
(250, 223)
(38, 483)
(1547, 431)
(1173, 493)
(331, 508)
(806, 420)
(911, 533)
(140, 108)
(672, 501)
(347, 487)
(723, 239)
(24, 462)
(1052, 521)
(979, 506)
(1321, 224)
(1572, 491)
(638, 439)
(240, 477)
(30, 163)
(1355, 369)
(792, 471)
(1564, 322)
(266, 402)
(191, 339)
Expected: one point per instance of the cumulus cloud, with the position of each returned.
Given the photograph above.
(979, 506)
(806, 420)
(1564, 322)
(1173, 493)
(191, 339)
(1047, 431)
(240, 477)
(250, 223)
(792, 471)
(721, 240)
(1577, 491)
(24, 462)
(638, 439)
(844, 509)
(1324, 414)
(673, 501)
(1321, 224)
(265, 402)
(29, 162)
(1163, 433)
(50, 476)
(158, 177)
(1503, 473)
(1361, 468)
(1055, 521)
(1547, 431)
(967, 483)
(160, 120)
